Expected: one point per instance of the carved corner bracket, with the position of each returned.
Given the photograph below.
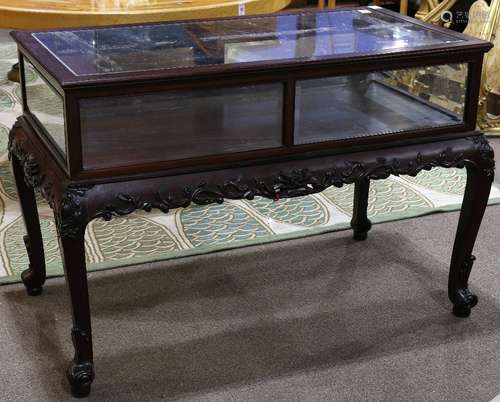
(71, 216)
(486, 155)
(66, 200)
(33, 174)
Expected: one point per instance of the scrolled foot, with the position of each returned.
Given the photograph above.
(80, 377)
(360, 230)
(32, 280)
(463, 301)
(13, 74)
(33, 288)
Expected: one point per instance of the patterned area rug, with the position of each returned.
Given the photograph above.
(202, 229)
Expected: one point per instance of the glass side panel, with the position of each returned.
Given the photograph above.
(47, 106)
(379, 103)
(128, 130)
(308, 35)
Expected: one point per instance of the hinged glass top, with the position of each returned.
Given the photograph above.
(304, 36)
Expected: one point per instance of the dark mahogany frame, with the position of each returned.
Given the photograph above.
(78, 196)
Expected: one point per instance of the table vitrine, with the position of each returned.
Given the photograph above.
(164, 115)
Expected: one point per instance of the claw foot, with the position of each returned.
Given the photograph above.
(80, 378)
(463, 301)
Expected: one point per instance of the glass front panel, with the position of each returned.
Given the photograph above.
(127, 130)
(47, 106)
(304, 36)
(379, 103)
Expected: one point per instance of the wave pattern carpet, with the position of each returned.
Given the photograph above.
(202, 229)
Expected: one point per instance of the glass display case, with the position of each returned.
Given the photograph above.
(192, 92)
(161, 116)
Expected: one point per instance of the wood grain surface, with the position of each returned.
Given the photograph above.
(34, 14)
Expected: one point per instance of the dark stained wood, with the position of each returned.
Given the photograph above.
(474, 77)
(289, 113)
(474, 204)
(33, 277)
(360, 222)
(180, 124)
(67, 79)
(117, 164)
(81, 371)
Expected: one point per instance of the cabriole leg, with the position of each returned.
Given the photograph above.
(476, 195)
(33, 277)
(81, 372)
(360, 222)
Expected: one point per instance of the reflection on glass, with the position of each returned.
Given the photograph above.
(308, 35)
(127, 130)
(47, 106)
(379, 103)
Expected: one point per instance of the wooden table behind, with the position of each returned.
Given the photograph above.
(29, 14)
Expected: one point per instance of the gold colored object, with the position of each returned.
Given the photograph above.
(484, 23)
(30, 14)
(327, 3)
(442, 85)
(38, 14)
(403, 5)
(432, 11)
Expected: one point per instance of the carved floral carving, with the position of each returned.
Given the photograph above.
(33, 175)
(486, 153)
(71, 219)
(298, 182)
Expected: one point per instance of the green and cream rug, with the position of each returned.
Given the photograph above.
(202, 229)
